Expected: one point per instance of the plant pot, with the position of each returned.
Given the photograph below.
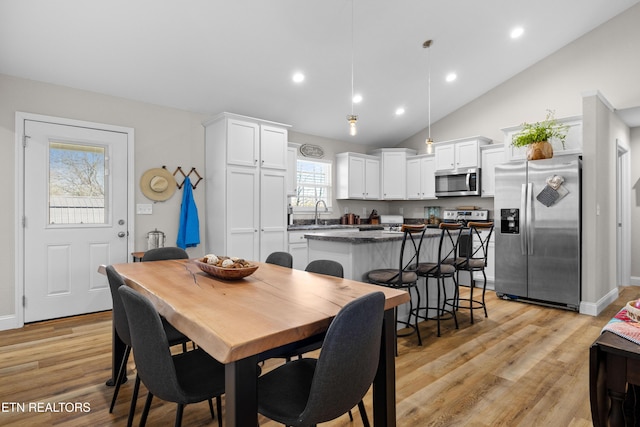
(539, 150)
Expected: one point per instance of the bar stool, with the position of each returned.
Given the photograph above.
(441, 269)
(405, 276)
(472, 257)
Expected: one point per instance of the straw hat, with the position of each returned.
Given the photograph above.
(158, 184)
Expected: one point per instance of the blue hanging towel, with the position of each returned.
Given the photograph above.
(189, 231)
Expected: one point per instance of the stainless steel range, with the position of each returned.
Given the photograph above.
(463, 216)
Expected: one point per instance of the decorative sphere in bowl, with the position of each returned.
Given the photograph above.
(225, 268)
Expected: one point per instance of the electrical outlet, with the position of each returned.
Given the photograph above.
(401, 210)
(144, 209)
(364, 211)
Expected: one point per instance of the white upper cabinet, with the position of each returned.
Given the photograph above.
(491, 155)
(357, 176)
(273, 147)
(292, 168)
(242, 143)
(459, 154)
(246, 186)
(572, 143)
(393, 172)
(421, 183)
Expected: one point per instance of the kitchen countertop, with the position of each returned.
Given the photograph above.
(306, 227)
(370, 236)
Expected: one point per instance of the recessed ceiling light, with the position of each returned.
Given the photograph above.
(298, 77)
(517, 32)
(451, 77)
(399, 111)
(357, 98)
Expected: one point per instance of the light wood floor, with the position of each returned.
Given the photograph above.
(524, 365)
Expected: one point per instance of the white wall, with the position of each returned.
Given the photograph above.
(163, 136)
(635, 204)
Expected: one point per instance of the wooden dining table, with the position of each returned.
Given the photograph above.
(235, 321)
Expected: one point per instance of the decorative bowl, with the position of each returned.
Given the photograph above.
(225, 273)
(633, 313)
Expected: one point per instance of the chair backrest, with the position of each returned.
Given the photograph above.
(350, 351)
(325, 266)
(150, 347)
(410, 250)
(450, 239)
(280, 258)
(120, 322)
(159, 254)
(480, 241)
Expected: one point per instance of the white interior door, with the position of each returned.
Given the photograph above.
(75, 217)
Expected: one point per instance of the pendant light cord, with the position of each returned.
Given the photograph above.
(352, 50)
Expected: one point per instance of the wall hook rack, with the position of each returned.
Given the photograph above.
(184, 176)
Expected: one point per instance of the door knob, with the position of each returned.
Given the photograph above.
(122, 234)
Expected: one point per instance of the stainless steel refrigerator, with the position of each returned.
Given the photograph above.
(538, 231)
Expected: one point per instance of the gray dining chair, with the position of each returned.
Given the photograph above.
(121, 326)
(283, 259)
(306, 392)
(183, 378)
(325, 266)
(160, 254)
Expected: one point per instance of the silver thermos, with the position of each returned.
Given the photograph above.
(155, 239)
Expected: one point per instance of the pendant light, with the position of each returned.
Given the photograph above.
(428, 141)
(352, 118)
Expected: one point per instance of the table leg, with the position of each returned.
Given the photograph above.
(616, 368)
(384, 384)
(117, 353)
(241, 401)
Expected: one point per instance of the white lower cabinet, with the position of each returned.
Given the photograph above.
(298, 249)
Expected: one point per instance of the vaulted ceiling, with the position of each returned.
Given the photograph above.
(210, 56)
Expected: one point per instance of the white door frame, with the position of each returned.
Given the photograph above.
(19, 195)
(623, 215)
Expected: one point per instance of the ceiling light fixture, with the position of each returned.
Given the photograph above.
(428, 141)
(399, 111)
(451, 77)
(298, 77)
(357, 98)
(517, 32)
(352, 118)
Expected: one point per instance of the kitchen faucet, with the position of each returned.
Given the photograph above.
(325, 209)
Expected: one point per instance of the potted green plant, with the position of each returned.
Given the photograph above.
(536, 136)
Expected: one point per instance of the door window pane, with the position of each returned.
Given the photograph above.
(76, 183)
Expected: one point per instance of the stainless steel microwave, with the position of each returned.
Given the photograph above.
(458, 183)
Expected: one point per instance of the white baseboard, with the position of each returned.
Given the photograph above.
(634, 281)
(593, 309)
(9, 322)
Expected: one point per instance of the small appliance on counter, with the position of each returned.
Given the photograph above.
(155, 239)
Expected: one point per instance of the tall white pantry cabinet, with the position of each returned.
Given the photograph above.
(245, 186)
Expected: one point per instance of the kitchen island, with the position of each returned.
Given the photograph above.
(363, 251)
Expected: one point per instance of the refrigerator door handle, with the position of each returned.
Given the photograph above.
(523, 205)
(530, 218)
